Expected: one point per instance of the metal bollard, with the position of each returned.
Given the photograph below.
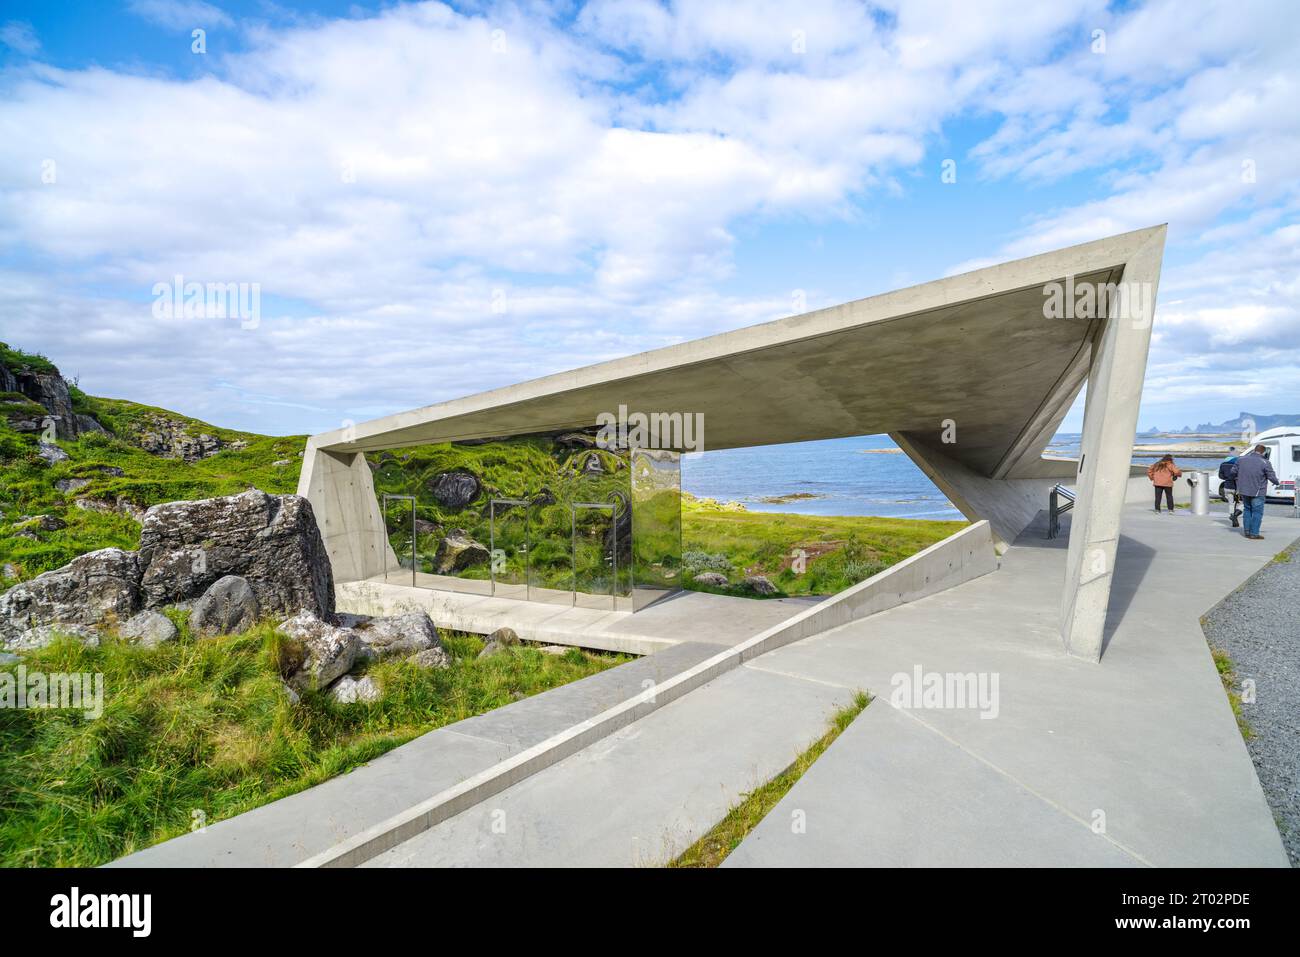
(1200, 483)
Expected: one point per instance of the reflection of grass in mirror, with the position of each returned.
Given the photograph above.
(840, 550)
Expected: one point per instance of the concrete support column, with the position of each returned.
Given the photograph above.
(1110, 421)
(342, 495)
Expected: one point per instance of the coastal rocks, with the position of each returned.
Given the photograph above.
(84, 592)
(457, 551)
(349, 690)
(229, 607)
(499, 641)
(400, 635)
(455, 489)
(118, 506)
(271, 541)
(760, 584)
(431, 658)
(51, 453)
(174, 439)
(44, 523)
(36, 638)
(150, 629)
(51, 392)
(711, 579)
(328, 652)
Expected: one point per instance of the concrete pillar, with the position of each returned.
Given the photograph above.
(1114, 395)
(342, 495)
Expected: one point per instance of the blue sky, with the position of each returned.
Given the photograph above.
(434, 200)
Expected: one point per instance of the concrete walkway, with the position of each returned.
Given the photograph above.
(1146, 738)
(1142, 748)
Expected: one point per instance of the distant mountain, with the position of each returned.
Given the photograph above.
(1250, 420)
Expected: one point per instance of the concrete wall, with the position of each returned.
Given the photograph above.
(342, 494)
(958, 558)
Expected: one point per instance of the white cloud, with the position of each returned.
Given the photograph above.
(180, 14)
(386, 179)
(19, 36)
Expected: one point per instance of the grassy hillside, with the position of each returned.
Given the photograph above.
(30, 487)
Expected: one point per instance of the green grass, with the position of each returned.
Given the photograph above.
(712, 849)
(204, 725)
(841, 550)
(1232, 687)
(28, 485)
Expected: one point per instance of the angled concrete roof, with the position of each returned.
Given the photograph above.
(975, 348)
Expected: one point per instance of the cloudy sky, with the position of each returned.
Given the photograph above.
(439, 199)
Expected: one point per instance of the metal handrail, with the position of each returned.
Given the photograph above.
(1056, 508)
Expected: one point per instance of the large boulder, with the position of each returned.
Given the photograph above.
(399, 635)
(455, 489)
(457, 552)
(711, 579)
(42, 635)
(327, 651)
(86, 591)
(229, 607)
(271, 541)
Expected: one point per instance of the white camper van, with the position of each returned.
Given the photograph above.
(1283, 444)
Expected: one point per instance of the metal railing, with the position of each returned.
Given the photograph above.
(1060, 500)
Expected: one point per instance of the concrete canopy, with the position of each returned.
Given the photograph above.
(967, 373)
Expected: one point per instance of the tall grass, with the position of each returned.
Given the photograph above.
(203, 730)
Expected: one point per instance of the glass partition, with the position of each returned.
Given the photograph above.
(656, 524)
(557, 518)
(399, 530)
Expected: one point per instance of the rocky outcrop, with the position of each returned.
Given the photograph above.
(229, 607)
(36, 638)
(174, 439)
(49, 389)
(52, 454)
(87, 591)
(271, 541)
(455, 489)
(119, 506)
(458, 551)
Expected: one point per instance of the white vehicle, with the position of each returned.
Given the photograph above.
(1283, 444)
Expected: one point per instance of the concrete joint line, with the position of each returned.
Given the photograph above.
(1019, 783)
(797, 677)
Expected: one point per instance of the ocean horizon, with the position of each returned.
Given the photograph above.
(862, 475)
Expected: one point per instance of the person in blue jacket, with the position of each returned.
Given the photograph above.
(1254, 475)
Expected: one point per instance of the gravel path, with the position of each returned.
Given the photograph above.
(1258, 626)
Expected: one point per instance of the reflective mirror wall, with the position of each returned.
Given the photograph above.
(558, 518)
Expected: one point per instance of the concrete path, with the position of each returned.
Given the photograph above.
(645, 793)
(1142, 747)
(720, 620)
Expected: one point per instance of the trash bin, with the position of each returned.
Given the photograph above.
(1200, 483)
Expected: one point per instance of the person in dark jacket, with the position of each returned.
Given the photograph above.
(1254, 474)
